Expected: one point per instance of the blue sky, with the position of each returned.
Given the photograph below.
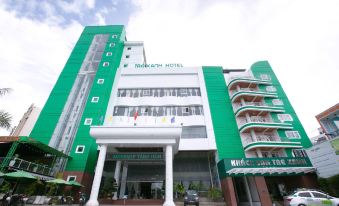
(300, 39)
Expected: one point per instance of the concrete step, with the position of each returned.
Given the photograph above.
(204, 203)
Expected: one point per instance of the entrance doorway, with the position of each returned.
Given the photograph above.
(144, 190)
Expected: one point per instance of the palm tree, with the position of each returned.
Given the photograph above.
(5, 117)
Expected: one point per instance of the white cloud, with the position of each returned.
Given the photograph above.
(90, 3)
(100, 19)
(76, 6)
(300, 39)
(32, 56)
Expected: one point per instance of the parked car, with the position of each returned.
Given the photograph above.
(306, 197)
(191, 198)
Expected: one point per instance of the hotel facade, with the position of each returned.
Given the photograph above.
(152, 126)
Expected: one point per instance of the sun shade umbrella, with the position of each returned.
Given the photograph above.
(18, 176)
(75, 183)
(58, 182)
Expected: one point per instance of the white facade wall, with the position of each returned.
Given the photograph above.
(27, 122)
(130, 77)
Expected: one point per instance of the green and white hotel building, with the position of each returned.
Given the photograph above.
(118, 116)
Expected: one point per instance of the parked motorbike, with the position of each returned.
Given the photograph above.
(82, 199)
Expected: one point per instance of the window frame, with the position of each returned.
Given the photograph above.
(105, 64)
(78, 147)
(88, 121)
(108, 54)
(100, 81)
(95, 99)
(292, 134)
(285, 117)
(71, 176)
(112, 44)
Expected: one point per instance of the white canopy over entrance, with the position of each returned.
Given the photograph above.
(167, 137)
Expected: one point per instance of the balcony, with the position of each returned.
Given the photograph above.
(250, 94)
(255, 108)
(246, 81)
(267, 141)
(20, 164)
(261, 124)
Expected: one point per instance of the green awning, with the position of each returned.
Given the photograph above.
(30, 141)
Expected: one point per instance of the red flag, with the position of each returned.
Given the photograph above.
(135, 115)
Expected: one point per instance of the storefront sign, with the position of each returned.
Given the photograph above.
(138, 156)
(255, 165)
(158, 65)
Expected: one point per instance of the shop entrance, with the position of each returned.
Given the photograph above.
(145, 190)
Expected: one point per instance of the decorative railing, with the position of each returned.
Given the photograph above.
(260, 138)
(257, 104)
(28, 166)
(233, 92)
(256, 119)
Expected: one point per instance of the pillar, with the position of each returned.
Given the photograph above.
(116, 177)
(248, 191)
(123, 180)
(169, 177)
(93, 199)
(263, 193)
(228, 191)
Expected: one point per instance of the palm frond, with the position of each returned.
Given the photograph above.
(4, 91)
(5, 120)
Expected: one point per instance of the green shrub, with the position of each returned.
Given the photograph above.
(214, 193)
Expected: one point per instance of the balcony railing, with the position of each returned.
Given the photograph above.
(257, 104)
(234, 92)
(28, 166)
(260, 138)
(256, 119)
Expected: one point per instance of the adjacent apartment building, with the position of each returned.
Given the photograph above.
(154, 125)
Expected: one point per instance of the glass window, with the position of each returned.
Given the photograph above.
(105, 64)
(161, 111)
(129, 48)
(285, 117)
(183, 92)
(271, 89)
(265, 77)
(114, 36)
(80, 149)
(100, 81)
(304, 194)
(88, 121)
(95, 99)
(198, 92)
(319, 195)
(292, 134)
(71, 178)
(194, 92)
(277, 102)
(162, 92)
(194, 132)
(185, 111)
(299, 153)
(109, 54)
(112, 44)
(146, 92)
(174, 92)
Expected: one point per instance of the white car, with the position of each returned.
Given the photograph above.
(310, 198)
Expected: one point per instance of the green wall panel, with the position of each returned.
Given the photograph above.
(263, 67)
(224, 124)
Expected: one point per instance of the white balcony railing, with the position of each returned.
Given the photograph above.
(260, 138)
(257, 104)
(255, 119)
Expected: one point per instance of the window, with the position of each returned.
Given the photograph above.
(292, 134)
(304, 194)
(277, 102)
(105, 64)
(183, 92)
(318, 195)
(114, 36)
(80, 149)
(285, 117)
(95, 99)
(71, 178)
(193, 132)
(127, 56)
(275, 154)
(146, 92)
(100, 81)
(271, 89)
(112, 44)
(299, 153)
(265, 77)
(185, 111)
(125, 65)
(264, 154)
(129, 48)
(109, 54)
(88, 121)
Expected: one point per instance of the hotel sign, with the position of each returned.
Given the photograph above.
(173, 65)
(138, 156)
(228, 164)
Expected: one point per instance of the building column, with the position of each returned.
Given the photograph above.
(228, 191)
(93, 199)
(123, 180)
(263, 193)
(253, 135)
(116, 177)
(248, 191)
(169, 177)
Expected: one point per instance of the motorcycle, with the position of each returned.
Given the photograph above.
(82, 199)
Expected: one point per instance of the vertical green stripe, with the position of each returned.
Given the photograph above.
(224, 124)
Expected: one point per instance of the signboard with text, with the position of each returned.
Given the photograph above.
(138, 156)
